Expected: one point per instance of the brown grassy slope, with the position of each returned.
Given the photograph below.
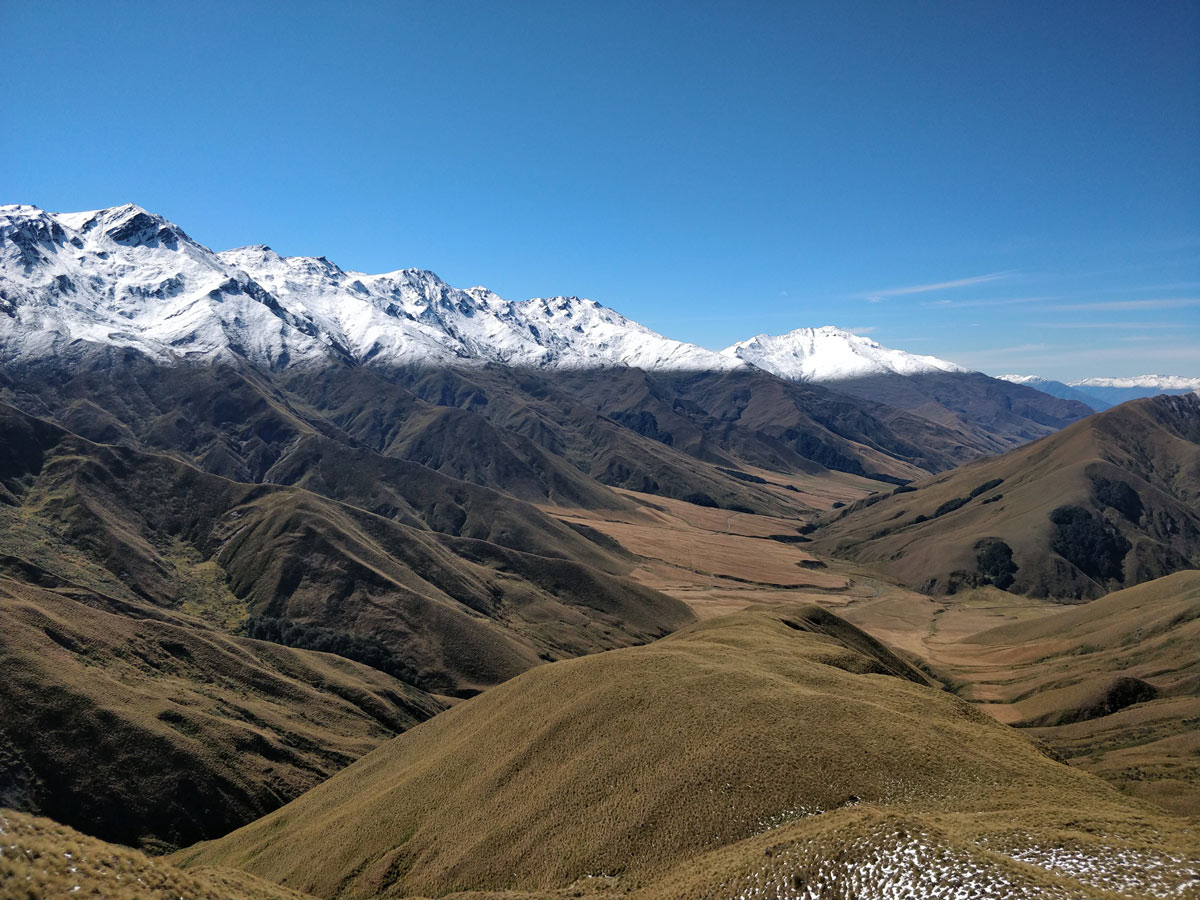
(43, 860)
(1113, 685)
(1036, 852)
(461, 612)
(1150, 448)
(153, 729)
(633, 762)
(157, 548)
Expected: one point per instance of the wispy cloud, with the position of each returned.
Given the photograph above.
(878, 296)
(866, 329)
(1117, 305)
(968, 304)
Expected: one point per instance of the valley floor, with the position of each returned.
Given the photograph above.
(719, 561)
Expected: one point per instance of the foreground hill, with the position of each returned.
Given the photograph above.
(1113, 685)
(774, 752)
(42, 859)
(1109, 502)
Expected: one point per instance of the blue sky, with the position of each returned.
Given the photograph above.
(1012, 185)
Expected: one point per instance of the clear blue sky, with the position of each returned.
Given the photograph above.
(714, 170)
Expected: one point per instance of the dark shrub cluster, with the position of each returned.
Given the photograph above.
(950, 506)
(995, 561)
(987, 486)
(1091, 544)
(744, 476)
(367, 651)
(1119, 495)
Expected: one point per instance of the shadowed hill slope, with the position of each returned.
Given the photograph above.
(563, 437)
(635, 763)
(128, 708)
(755, 418)
(146, 728)
(1108, 502)
(988, 412)
(459, 612)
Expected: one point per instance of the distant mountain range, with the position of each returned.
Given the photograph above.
(85, 285)
(1102, 393)
(124, 277)
(260, 515)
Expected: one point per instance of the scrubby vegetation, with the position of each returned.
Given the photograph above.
(352, 646)
(1089, 543)
(995, 559)
(986, 486)
(950, 506)
(1119, 495)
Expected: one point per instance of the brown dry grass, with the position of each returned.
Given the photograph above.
(716, 560)
(43, 860)
(1053, 672)
(144, 726)
(632, 762)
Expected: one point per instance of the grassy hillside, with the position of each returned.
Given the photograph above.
(457, 611)
(778, 738)
(43, 860)
(144, 727)
(124, 573)
(1113, 685)
(1109, 502)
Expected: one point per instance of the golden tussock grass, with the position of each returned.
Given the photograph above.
(631, 763)
(43, 860)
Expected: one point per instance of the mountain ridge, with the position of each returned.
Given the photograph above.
(129, 278)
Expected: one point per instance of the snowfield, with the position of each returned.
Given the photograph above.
(124, 277)
(831, 354)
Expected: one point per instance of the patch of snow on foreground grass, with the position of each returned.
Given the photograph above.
(1122, 870)
(904, 864)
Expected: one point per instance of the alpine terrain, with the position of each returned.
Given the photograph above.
(319, 583)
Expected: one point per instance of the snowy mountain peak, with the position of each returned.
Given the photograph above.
(831, 354)
(1162, 382)
(126, 277)
(1021, 379)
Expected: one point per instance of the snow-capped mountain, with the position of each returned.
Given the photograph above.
(1102, 393)
(127, 278)
(1162, 383)
(831, 354)
(1057, 389)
